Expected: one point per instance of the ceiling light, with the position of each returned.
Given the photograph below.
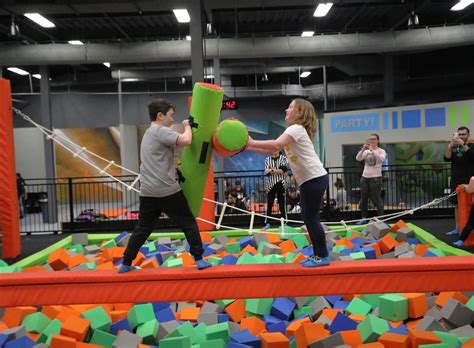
(130, 79)
(265, 77)
(14, 30)
(209, 76)
(107, 64)
(182, 15)
(182, 80)
(305, 74)
(413, 20)
(18, 71)
(37, 76)
(39, 19)
(75, 42)
(322, 9)
(461, 5)
(307, 33)
(188, 37)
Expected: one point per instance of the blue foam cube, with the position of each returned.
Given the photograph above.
(164, 315)
(402, 329)
(245, 241)
(333, 299)
(158, 306)
(278, 327)
(270, 319)
(369, 253)
(342, 323)
(245, 337)
(341, 304)
(120, 325)
(21, 342)
(229, 260)
(282, 308)
(222, 317)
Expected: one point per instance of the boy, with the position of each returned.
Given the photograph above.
(159, 189)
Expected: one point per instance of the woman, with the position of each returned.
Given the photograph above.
(341, 195)
(307, 169)
(371, 181)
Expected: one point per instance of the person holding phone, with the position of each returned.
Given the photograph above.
(371, 181)
(461, 155)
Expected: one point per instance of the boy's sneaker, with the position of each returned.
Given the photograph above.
(453, 232)
(266, 227)
(316, 261)
(458, 243)
(362, 222)
(202, 264)
(126, 268)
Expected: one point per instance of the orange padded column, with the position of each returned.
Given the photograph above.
(9, 215)
(464, 209)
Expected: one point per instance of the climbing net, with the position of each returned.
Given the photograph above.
(86, 156)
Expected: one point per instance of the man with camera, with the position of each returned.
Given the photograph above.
(461, 155)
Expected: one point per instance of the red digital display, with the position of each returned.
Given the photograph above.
(229, 105)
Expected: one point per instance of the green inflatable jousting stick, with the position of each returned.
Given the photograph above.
(204, 116)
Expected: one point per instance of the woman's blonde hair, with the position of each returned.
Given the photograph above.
(307, 116)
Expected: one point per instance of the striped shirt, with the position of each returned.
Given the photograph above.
(279, 162)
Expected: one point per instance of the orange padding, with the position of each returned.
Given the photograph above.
(243, 281)
(465, 201)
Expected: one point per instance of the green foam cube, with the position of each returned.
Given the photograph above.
(103, 338)
(359, 307)
(53, 328)
(148, 331)
(214, 260)
(218, 331)
(175, 342)
(173, 262)
(78, 248)
(109, 244)
(98, 318)
(372, 299)
(261, 306)
(212, 344)
(371, 328)
(393, 307)
(140, 314)
(223, 303)
(36, 322)
(273, 258)
(233, 248)
(358, 255)
(448, 338)
(300, 240)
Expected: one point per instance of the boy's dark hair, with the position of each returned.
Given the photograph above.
(159, 105)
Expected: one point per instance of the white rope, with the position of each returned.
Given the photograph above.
(78, 152)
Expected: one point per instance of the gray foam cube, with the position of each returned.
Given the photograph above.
(303, 229)
(41, 345)
(269, 249)
(377, 229)
(402, 249)
(345, 258)
(408, 255)
(181, 305)
(81, 267)
(324, 320)
(434, 312)
(234, 327)
(429, 323)
(332, 235)
(210, 307)
(123, 242)
(221, 239)
(71, 252)
(166, 328)
(165, 255)
(325, 227)
(208, 318)
(91, 249)
(163, 241)
(318, 304)
(300, 301)
(328, 342)
(260, 238)
(126, 339)
(456, 313)
(404, 233)
(463, 331)
(430, 300)
(335, 256)
(80, 238)
(217, 247)
(390, 255)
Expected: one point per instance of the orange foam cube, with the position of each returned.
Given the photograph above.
(236, 310)
(274, 340)
(444, 296)
(417, 305)
(76, 328)
(331, 313)
(59, 259)
(287, 246)
(351, 337)
(206, 237)
(294, 325)
(188, 260)
(307, 333)
(371, 345)
(13, 316)
(152, 262)
(399, 224)
(60, 341)
(420, 249)
(189, 313)
(387, 243)
(253, 324)
(67, 312)
(419, 337)
(76, 260)
(394, 340)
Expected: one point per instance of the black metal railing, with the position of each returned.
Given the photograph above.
(98, 204)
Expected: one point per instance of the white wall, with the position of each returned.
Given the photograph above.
(353, 127)
(29, 153)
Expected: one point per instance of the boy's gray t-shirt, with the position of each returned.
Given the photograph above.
(157, 170)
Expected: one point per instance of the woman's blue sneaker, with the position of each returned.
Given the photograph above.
(126, 268)
(458, 243)
(362, 222)
(453, 232)
(266, 227)
(201, 264)
(316, 261)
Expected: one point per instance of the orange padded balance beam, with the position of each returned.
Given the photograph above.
(453, 273)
